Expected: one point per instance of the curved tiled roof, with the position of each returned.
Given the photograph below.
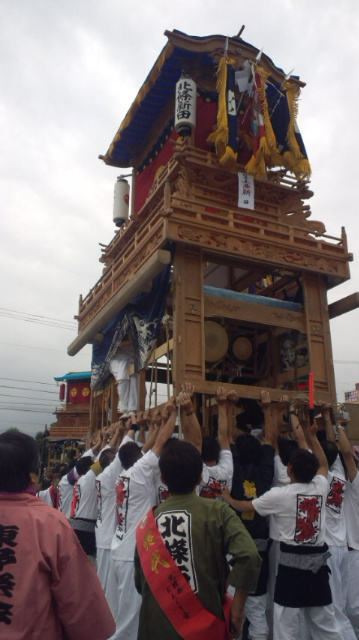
(180, 52)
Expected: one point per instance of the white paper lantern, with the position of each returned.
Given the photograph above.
(121, 201)
(185, 107)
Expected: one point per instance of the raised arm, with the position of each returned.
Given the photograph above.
(327, 419)
(143, 419)
(119, 434)
(190, 425)
(166, 429)
(276, 410)
(221, 398)
(310, 432)
(232, 398)
(116, 434)
(297, 431)
(347, 452)
(270, 424)
(98, 443)
(153, 430)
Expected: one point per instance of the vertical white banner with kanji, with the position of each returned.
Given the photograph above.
(245, 190)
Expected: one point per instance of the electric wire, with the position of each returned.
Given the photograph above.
(5, 386)
(36, 315)
(50, 384)
(37, 319)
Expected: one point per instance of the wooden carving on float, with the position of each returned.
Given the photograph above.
(189, 203)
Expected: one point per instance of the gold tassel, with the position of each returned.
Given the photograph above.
(274, 157)
(220, 134)
(229, 157)
(292, 95)
(301, 168)
(256, 165)
(300, 165)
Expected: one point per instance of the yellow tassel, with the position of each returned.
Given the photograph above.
(300, 168)
(304, 167)
(220, 134)
(299, 164)
(229, 157)
(292, 94)
(273, 156)
(256, 165)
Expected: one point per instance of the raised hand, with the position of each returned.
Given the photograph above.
(170, 407)
(189, 388)
(185, 402)
(232, 396)
(221, 395)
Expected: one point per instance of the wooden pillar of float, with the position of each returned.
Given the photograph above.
(188, 319)
(318, 335)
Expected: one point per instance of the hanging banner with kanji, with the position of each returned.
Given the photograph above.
(245, 190)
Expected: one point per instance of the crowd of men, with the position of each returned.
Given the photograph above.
(253, 530)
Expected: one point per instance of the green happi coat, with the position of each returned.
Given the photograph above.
(199, 533)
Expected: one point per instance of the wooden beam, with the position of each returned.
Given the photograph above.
(160, 351)
(247, 391)
(140, 281)
(343, 305)
(253, 312)
(276, 286)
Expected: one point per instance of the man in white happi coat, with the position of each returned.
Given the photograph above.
(135, 494)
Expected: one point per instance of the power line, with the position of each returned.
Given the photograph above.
(46, 324)
(54, 322)
(29, 424)
(34, 407)
(29, 410)
(36, 315)
(23, 400)
(7, 395)
(50, 384)
(44, 320)
(5, 386)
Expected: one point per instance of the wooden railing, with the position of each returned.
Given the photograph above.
(205, 206)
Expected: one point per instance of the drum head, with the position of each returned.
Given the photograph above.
(216, 341)
(242, 348)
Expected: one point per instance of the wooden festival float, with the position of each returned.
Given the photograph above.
(72, 423)
(219, 212)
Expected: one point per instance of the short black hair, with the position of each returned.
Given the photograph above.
(252, 412)
(305, 465)
(180, 465)
(19, 457)
(106, 457)
(331, 451)
(129, 454)
(210, 449)
(62, 468)
(241, 422)
(83, 464)
(249, 449)
(286, 446)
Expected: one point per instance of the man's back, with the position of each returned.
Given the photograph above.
(51, 583)
(135, 493)
(198, 533)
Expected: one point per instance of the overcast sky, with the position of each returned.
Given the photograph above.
(69, 72)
